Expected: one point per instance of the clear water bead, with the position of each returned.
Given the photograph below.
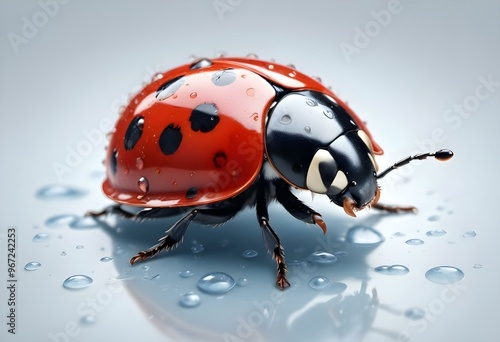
(216, 283)
(444, 274)
(78, 281)
(319, 283)
(32, 266)
(436, 233)
(392, 269)
(414, 242)
(323, 258)
(190, 300)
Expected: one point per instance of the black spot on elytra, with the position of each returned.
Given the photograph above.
(113, 161)
(201, 63)
(133, 133)
(220, 159)
(204, 117)
(191, 193)
(168, 88)
(170, 139)
(223, 77)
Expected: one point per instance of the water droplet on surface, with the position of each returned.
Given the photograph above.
(436, 233)
(270, 67)
(362, 235)
(63, 253)
(145, 267)
(60, 220)
(414, 242)
(311, 103)
(478, 266)
(139, 163)
(193, 95)
(399, 234)
(32, 266)
(106, 259)
(216, 283)
(316, 78)
(444, 274)
(392, 269)
(80, 247)
(469, 234)
(41, 237)
(251, 92)
(249, 253)
(319, 283)
(242, 282)
(190, 300)
(88, 319)
(84, 222)
(328, 113)
(322, 258)
(433, 218)
(252, 55)
(78, 281)
(197, 248)
(56, 191)
(186, 274)
(307, 129)
(143, 184)
(286, 119)
(414, 313)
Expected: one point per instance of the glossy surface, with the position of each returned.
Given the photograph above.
(194, 135)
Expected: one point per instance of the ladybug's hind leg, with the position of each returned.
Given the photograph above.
(114, 209)
(172, 237)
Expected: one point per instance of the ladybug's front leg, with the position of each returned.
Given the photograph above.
(271, 239)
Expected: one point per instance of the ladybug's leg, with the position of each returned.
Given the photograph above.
(271, 239)
(114, 209)
(295, 206)
(172, 237)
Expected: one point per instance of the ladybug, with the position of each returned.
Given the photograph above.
(210, 138)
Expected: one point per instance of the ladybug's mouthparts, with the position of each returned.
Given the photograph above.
(349, 206)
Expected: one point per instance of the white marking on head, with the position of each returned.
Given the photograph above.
(313, 179)
(366, 139)
(269, 172)
(375, 165)
(339, 183)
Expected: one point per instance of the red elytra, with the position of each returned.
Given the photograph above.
(195, 135)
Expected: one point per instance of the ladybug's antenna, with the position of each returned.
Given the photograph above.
(441, 155)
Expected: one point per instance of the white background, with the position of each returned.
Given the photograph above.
(66, 68)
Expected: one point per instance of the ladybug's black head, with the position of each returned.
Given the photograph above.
(345, 172)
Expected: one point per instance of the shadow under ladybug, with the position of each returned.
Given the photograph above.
(187, 145)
